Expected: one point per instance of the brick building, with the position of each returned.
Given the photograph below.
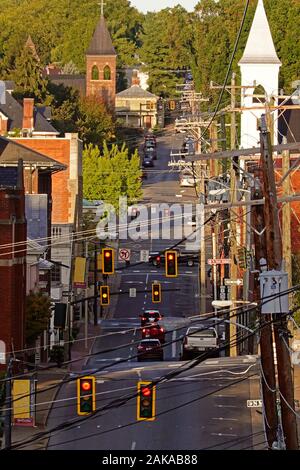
(12, 261)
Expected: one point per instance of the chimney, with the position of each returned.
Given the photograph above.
(135, 79)
(3, 126)
(28, 109)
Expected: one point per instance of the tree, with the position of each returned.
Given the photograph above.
(38, 314)
(166, 48)
(28, 77)
(94, 123)
(112, 173)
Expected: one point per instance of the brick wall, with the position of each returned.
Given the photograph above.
(67, 183)
(12, 269)
(105, 89)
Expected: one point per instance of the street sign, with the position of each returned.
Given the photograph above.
(132, 292)
(229, 282)
(144, 256)
(124, 254)
(219, 261)
(254, 403)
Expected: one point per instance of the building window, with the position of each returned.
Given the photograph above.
(56, 232)
(107, 73)
(95, 73)
(56, 274)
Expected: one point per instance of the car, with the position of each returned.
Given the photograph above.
(150, 349)
(156, 258)
(154, 332)
(148, 161)
(150, 317)
(150, 152)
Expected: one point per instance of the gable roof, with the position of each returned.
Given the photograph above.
(101, 43)
(14, 112)
(260, 47)
(11, 152)
(135, 91)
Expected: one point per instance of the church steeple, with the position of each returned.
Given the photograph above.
(101, 43)
(260, 47)
(101, 64)
(30, 45)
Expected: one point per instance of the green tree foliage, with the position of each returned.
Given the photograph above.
(28, 77)
(94, 123)
(112, 173)
(167, 43)
(62, 29)
(38, 313)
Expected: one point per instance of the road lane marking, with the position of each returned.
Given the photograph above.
(136, 271)
(222, 434)
(226, 406)
(133, 445)
(173, 344)
(175, 365)
(226, 419)
(100, 381)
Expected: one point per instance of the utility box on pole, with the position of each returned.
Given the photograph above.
(273, 287)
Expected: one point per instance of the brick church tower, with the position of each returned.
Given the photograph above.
(101, 61)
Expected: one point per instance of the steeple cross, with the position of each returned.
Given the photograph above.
(102, 7)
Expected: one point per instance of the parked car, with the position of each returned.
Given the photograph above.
(154, 332)
(151, 152)
(148, 161)
(150, 317)
(198, 339)
(150, 349)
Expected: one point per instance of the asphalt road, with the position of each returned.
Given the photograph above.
(204, 407)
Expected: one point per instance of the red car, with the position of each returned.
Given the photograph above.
(154, 332)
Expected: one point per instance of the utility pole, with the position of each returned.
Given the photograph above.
(233, 226)
(8, 404)
(95, 286)
(274, 258)
(266, 339)
(286, 218)
(86, 303)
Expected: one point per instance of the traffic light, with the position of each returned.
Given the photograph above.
(104, 295)
(171, 263)
(156, 292)
(108, 261)
(86, 395)
(146, 401)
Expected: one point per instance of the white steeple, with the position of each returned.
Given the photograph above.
(260, 47)
(259, 66)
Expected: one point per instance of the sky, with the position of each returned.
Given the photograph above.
(156, 5)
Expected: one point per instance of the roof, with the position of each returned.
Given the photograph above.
(101, 43)
(135, 91)
(260, 47)
(75, 81)
(13, 110)
(11, 152)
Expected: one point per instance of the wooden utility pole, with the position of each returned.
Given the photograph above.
(233, 226)
(286, 218)
(274, 259)
(266, 338)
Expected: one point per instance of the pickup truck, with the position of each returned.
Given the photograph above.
(198, 339)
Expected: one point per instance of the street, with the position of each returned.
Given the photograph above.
(204, 407)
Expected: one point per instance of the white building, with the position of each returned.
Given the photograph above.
(259, 67)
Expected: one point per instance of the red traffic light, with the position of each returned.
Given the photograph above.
(86, 385)
(146, 392)
(107, 254)
(170, 257)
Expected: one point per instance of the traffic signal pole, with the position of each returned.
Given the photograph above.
(95, 308)
(274, 259)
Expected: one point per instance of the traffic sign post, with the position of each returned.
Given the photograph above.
(230, 282)
(132, 292)
(144, 256)
(124, 254)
